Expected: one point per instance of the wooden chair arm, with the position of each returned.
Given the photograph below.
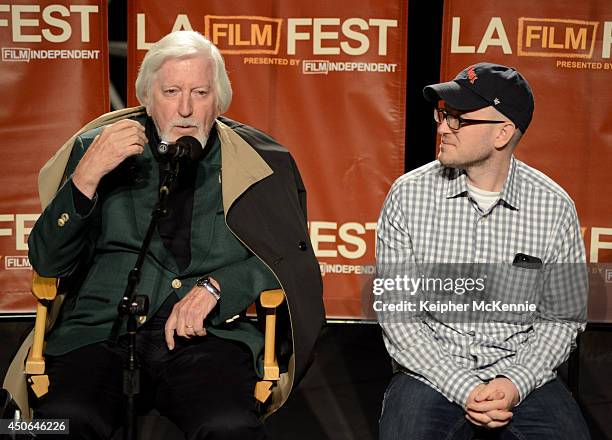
(270, 300)
(45, 290)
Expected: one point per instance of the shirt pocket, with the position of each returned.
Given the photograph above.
(514, 292)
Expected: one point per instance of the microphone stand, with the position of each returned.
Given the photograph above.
(133, 305)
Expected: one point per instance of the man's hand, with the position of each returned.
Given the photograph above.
(490, 405)
(188, 315)
(470, 400)
(111, 147)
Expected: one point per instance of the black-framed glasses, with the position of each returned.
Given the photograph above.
(455, 122)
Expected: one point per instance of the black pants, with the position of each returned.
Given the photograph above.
(205, 386)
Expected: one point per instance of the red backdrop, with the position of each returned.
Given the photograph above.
(54, 79)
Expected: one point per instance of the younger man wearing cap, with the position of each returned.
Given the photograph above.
(478, 204)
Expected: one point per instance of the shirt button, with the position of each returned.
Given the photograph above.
(302, 245)
(176, 283)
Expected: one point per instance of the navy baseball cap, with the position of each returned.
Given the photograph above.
(487, 84)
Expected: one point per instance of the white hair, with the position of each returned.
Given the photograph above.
(184, 44)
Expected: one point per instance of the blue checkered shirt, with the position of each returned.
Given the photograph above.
(429, 217)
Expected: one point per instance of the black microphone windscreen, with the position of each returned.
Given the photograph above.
(192, 145)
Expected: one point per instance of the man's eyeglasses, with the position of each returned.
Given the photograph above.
(455, 122)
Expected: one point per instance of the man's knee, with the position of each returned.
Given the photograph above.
(412, 409)
(227, 425)
(85, 419)
(550, 412)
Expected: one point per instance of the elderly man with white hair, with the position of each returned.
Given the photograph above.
(236, 225)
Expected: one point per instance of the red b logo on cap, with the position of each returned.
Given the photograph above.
(471, 74)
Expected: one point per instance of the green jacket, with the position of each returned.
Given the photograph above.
(93, 254)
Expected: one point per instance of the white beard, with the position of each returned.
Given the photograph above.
(201, 136)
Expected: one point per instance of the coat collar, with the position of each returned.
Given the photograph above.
(241, 165)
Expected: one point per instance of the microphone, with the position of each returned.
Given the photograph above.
(185, 148)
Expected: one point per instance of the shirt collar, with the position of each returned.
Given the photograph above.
(457, 185)
(510, 193)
